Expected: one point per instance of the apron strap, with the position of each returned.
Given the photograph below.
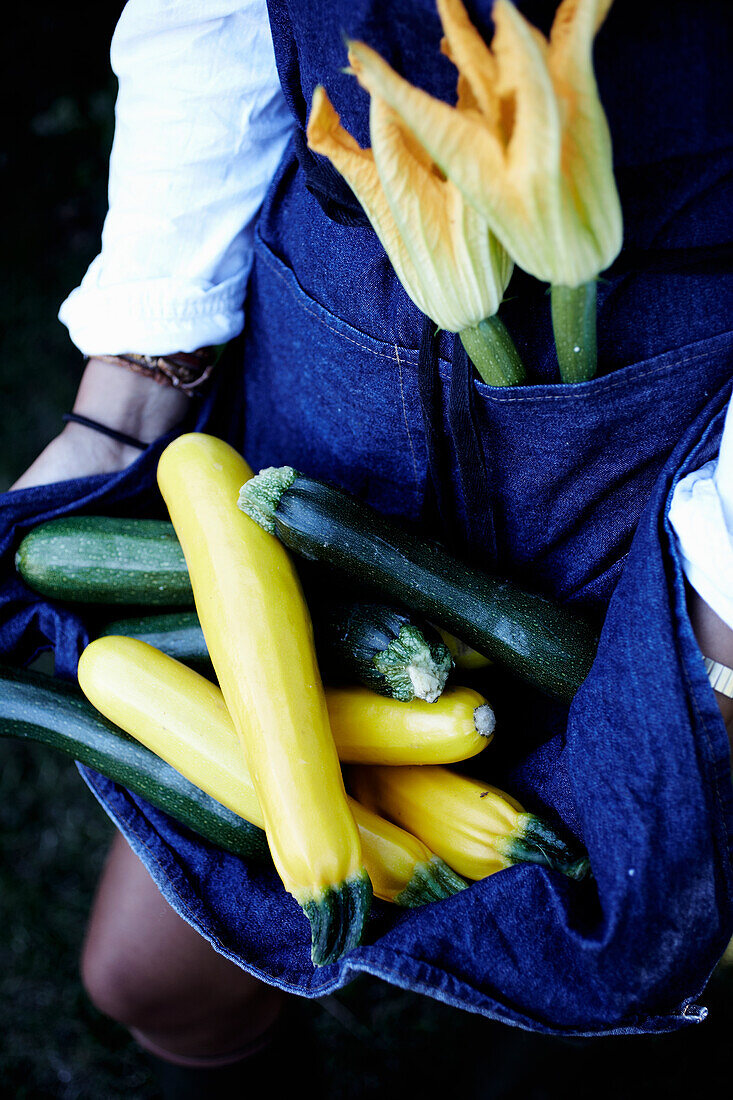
(439, 513)
(331, 191)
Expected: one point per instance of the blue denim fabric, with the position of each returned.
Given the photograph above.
(638, 767)
(665, 85)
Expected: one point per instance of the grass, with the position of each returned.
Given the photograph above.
(372, 1040)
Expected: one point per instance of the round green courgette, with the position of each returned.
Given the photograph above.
(35, 707)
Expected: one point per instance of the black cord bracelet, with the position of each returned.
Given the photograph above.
(121, 437)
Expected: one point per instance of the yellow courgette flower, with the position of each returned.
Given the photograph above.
(528, 144)
(442, 250)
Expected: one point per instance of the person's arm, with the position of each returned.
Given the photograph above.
(128, 402)
(701, 516)
(715, 639)
(201, 125)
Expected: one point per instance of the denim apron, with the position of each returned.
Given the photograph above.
(579, 481)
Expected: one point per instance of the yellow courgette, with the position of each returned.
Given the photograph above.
(373, 729)
(260, 639)
(182, 718)
(477, 829)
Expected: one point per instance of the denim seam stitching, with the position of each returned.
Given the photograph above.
(313, 313)
(407, 426)
(613, 383)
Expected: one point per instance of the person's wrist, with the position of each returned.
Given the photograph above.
(129, 402)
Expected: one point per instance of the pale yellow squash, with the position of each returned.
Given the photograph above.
(374, 729)
(260, 639)
(476, 828)
(182, 717)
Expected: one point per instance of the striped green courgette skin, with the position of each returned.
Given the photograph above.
(540, 640)
(106, 560)
(177, 634)
(34, 707)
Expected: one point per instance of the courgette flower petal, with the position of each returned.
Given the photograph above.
(527, 145)
(442, 250)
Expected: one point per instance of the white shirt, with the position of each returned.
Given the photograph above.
(201, 125)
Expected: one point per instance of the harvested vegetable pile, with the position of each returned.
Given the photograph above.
(254, 763)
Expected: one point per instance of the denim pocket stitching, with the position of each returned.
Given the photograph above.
(298, 293)
(415, 468)
(574, 392)
(605, 382)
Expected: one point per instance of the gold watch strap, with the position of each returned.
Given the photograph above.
(720, 677)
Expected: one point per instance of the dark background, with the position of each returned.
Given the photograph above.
(57, 107)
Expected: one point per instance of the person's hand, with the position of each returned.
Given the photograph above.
(130, 403)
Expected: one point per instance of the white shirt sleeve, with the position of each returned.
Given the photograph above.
(201, 124)
(701, 515)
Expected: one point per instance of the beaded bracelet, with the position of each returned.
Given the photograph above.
(187, 371)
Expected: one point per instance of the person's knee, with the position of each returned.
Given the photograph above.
(117, 985)
(205, 1007)
(150, 971)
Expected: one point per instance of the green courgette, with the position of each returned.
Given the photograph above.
(177, 634)
(35, 707)
(106, 560)
(540, 640)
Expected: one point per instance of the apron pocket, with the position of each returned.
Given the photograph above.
(572, 466)
(328, 399)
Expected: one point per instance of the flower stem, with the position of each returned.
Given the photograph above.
(574, 326)
(491, 350)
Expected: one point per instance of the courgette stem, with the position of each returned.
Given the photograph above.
(538, 842)
(35, 707)
(432, 881)
(574, 328)
(412, 668)
(337, 917)
(260, 497)
(493, 353)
